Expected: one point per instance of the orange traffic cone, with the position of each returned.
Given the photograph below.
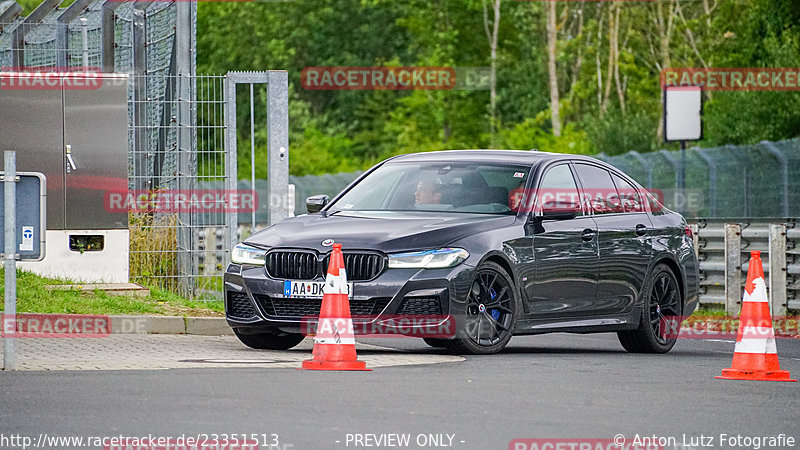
(335, 342)
(755, 356)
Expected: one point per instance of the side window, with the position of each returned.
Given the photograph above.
(629, 196)
(558, 188)
(599, 190)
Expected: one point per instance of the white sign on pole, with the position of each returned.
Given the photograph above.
(27, 240)
(683, 110)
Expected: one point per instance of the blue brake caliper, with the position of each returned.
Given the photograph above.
(495, 313)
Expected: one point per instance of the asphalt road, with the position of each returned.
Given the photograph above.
(547, 387)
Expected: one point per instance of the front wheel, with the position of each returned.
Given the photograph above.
(491, 312)
(269, 341)
(660, 319)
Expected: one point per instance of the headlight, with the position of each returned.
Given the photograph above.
(428, 259)
(245, 254)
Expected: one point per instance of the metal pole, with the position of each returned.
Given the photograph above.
(85, 43)
(777, 268)
(141, 180)
(10, 261)
(733, 267)
(682, 181)
(252, 158)
(231, 175)
(278, 133)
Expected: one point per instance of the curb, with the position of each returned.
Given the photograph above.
(204, 326)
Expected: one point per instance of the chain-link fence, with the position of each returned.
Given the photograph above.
(747, 181)
(53, 37)
(176, 119)
(179, 248)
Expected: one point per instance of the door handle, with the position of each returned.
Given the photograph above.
(587, 234)
(641, 230)
(70, 162)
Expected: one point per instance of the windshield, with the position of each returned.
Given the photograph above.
(439, 187)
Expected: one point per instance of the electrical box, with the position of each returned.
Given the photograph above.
(73, 127)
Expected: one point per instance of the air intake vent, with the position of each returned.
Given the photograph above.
(421, 306)
(296, 308)
(240, 306)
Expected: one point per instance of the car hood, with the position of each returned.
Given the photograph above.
(378, 230)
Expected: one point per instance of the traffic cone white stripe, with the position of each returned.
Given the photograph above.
(757, 340)
(335, 331)
(757, 345)
(759, 294)
(336, 284)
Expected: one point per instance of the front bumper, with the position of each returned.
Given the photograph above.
(255, 302)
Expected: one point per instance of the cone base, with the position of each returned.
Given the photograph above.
(755, 375)
(311, 364)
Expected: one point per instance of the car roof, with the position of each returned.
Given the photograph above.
(484, 155)
(529, 157)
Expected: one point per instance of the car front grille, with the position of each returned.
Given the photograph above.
(240, 306)
(306, 265)
(292, 265)
(303, 307)
(421, 306)
(360, 266)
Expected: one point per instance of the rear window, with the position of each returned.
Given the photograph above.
(629, 196)
(599, 190)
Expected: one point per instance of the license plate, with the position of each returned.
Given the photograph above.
(307, 289)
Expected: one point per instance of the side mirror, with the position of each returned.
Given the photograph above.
(559, 211)
(316, 202)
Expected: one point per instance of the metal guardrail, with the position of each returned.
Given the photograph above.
(723, 247)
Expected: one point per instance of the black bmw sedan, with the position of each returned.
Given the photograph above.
(497, 242)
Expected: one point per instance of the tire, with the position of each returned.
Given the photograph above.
(269, 341)
(493, 306)
(661, 307)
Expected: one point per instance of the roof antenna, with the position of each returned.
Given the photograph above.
(534, 150)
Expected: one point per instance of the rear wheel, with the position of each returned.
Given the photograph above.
(660, 319)
(269, 341)
(491, 312)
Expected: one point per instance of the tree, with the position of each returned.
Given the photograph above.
(552, 38)
(491, 36)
